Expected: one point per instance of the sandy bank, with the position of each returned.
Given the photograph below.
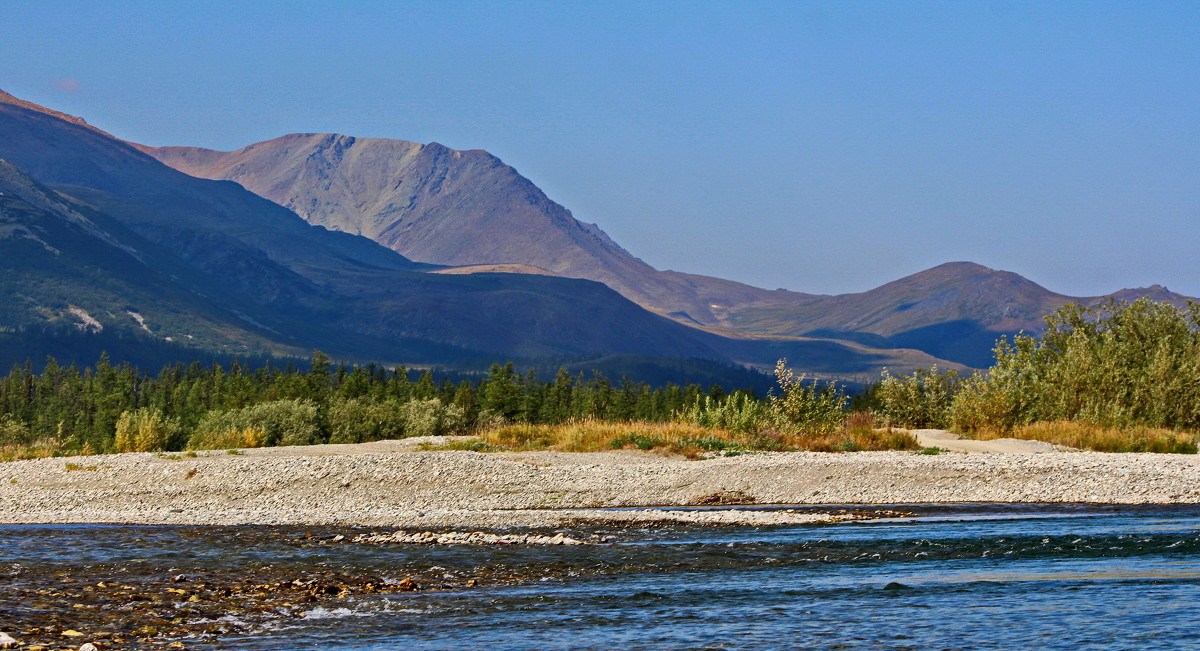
(951, 442)
(386, 484)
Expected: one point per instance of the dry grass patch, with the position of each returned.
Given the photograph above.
(35, 450)
(683, 438)
(1100, 439)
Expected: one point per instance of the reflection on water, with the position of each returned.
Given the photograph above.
(973, 576)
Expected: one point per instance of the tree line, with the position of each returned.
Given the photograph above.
(114, 407)
(1116, 365)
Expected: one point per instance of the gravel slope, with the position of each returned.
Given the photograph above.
(380, 484)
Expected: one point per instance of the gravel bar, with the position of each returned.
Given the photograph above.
(373, 486)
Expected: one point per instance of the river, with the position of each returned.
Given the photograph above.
(952, 577)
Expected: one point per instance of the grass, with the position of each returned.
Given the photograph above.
(77, 466)
(469, 445)
(1101, 439)
(692, 441)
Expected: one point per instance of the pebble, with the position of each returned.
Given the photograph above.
(460, 538)
(8, 642)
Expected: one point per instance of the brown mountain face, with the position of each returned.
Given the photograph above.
(437, 205)
(955, 291)
(467, 208)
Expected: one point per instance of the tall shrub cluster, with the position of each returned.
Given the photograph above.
(1116, 365)
(920, 400)
(143, 430)
(806, 407)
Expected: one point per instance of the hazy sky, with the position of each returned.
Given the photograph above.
(821, 147)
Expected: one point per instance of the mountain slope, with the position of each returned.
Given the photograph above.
(60, 266)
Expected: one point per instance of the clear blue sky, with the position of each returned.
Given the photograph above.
(822, 147)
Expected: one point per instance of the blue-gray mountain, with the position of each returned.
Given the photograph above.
(447, 207)
(96, 233)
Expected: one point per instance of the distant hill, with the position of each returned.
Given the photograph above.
(954, 311)
(466, 208)
(313, 286)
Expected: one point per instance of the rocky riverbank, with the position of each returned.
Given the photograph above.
(375, 485)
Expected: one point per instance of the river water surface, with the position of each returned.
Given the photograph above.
(954, 577)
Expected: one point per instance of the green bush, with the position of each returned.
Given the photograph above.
(14, 431)
(737, 413)
(920, 400)
(281, 422)
(359, 421)
(1115, 365)
(801, 407)
(640, 441)
(805, 407)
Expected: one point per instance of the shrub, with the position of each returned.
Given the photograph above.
(739, 413)
(359, 421)
(806, 407)
(488, 419)
(919, 400)
(142, 430)
(980, 405)
(282, 422)
(422, 417)
(639, 441)
(13, 431)
(1117, 365)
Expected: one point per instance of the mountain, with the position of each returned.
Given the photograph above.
(447, 207)
(469, 209)
(210, 260)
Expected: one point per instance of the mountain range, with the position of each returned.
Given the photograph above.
(468, 209)
(97, 233)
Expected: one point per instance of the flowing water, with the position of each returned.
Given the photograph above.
(954, 577)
